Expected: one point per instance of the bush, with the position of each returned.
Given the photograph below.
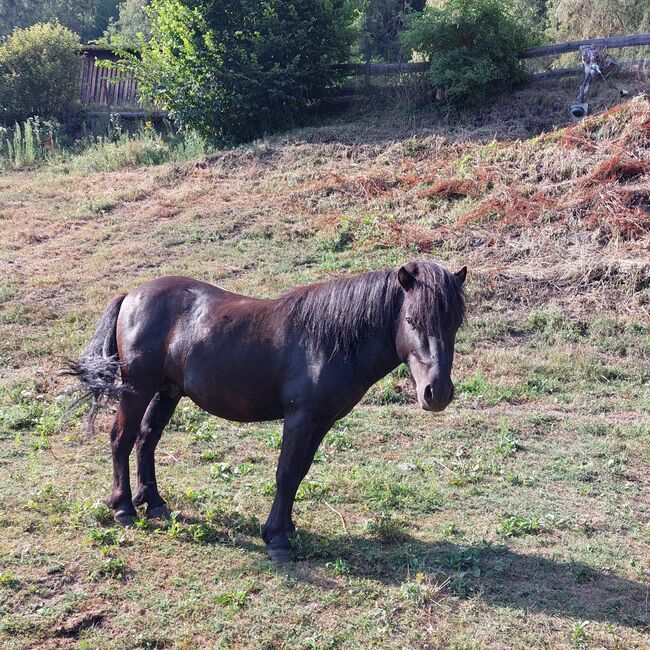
(40, 70)
(235, 69)
(472, 46)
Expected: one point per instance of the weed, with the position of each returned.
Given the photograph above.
(142, 523)
(386, 527)
(388, 494)
(339, 438)
(175, 528)
(311, 490)
(339, 242)
(579, 634)
(224, 471)
(201, 533)
(450, 530)
(105, 537)
(233, 600)
(516, 526)
(101, 513)
(109, 566)
(507, 444)
(421, 591)
(274, 439)
(339, 566)
(9, 581)
(462, 559)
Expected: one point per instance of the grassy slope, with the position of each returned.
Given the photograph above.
(509, 521)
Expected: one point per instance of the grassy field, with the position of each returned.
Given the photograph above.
(519, 518)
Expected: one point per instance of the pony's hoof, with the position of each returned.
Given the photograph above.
(280, 555)
(159, 512)
(124, 518)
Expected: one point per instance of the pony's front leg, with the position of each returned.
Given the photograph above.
(298, 431)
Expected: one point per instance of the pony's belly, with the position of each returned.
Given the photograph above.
(231, 404)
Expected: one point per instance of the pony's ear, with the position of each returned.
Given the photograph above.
(406, 278)
(461, 275)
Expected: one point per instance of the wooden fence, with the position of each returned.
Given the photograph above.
(381, 69)
(104, 89)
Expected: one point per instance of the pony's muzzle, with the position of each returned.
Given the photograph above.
(437, 397)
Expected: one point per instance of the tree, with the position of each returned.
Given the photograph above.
(382, 21)
(40, 69)
(578, 19)
(235, 69)
(88, 18)
(132, 26)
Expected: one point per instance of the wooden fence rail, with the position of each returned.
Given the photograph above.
(107, 89)
(613, 42)
(381, 69)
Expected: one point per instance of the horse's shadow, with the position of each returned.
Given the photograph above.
(503, 577)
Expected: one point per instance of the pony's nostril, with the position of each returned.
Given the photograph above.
(428, 394)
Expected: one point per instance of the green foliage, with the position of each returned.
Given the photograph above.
(233, 600)
(381, 22)
(36, 142)
(87, 18)
(472, 46)
(105, 537)
(31, 142)
(234, 70)
(9, 580)
(132, 26)
(584, 19)
(40, 69)
(146, 148)
(109, 566)
(517, 526)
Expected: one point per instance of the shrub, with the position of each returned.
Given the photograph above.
(472, 46)
(234, 69)
(40, 69)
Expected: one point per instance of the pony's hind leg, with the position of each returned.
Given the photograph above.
(125, 429)
(159, 412)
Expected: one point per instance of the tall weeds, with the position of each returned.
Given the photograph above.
(29, 143)
(36, 142)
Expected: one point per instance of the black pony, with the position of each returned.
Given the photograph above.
(307, 357)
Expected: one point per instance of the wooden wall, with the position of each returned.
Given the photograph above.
(104, 87)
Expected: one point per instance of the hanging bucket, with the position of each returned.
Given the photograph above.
(579, 110)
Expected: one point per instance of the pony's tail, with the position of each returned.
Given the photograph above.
(99, 366)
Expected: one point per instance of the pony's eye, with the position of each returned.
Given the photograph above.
(410, 321)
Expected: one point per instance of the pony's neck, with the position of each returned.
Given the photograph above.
(377, 354)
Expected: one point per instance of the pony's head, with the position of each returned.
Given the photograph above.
(432, 311)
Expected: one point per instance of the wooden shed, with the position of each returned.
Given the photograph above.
(106, 90)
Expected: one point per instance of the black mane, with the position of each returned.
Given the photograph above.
(338, 314)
